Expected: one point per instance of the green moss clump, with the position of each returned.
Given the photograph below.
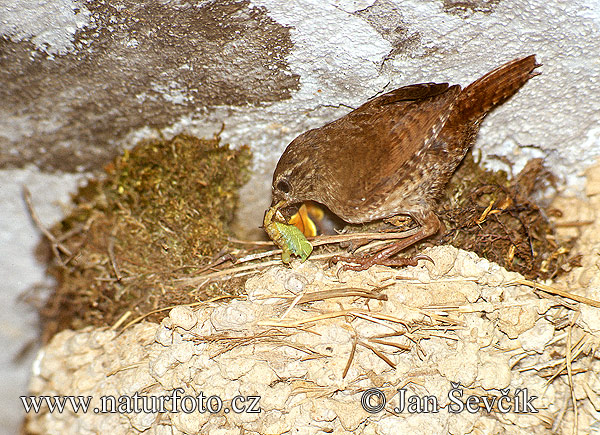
(161, 212)
(486, 212)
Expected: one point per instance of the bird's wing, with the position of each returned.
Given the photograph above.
(380, 138)
(408, 93)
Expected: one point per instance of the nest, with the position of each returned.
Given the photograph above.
(498, 218)
(160, 212)
(310, 339)
(153, 232)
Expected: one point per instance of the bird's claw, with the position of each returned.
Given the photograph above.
(423, 257)
(363, 263)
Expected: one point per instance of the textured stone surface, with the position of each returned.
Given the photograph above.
(101, 75)
(20, 272)
(134, 65)
(295, 359)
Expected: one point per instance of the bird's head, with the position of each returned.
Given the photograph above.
(294, 179)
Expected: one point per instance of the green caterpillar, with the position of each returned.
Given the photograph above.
(289, 238)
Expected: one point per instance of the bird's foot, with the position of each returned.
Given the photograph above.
(363, 263)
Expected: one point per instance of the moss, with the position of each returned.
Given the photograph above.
(160, 212)
(487, 213)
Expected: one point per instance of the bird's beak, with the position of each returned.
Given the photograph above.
(303, 222)
(279, 204)
(292, 216)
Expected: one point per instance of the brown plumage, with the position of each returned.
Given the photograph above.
(395, 153)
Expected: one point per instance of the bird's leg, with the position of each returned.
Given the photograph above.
(429, 224)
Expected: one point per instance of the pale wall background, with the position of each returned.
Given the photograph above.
(80, 80)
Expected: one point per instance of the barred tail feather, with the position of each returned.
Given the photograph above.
(491, 90)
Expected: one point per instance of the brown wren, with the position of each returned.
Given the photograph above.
(394, 154)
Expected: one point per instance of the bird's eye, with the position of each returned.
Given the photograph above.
(283, 186)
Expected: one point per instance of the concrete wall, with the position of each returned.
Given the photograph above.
(80, 80)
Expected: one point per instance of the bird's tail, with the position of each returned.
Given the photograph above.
(491, 90)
